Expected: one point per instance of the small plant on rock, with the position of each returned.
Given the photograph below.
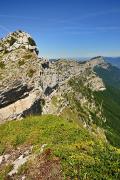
(2, 65)
(31, 72)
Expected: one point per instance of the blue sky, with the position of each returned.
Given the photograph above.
(66, 28)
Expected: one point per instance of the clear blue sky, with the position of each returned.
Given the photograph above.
(66, 28)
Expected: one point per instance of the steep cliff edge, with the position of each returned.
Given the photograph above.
(26, 80)
(19, 75)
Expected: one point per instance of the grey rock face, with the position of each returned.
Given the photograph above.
(21, 108)
(58, 72)
(26, 80)
(20, 68)
(11, 94)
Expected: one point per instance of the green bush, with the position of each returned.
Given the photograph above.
(21, 62)
(30, 73)
(4, 172)
(27, 56)
(2, 65)
(12, 41)
(31, 41)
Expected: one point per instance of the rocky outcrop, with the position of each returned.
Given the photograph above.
(18, 39)
(97, 61)
(26, 81)
(20, 71)
(11, 94)
(21, 108)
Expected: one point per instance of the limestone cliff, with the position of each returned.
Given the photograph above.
(20, 71)
(27, 81)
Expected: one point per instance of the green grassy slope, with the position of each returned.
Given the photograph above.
(81, 99)
(82, 154)
(111, 75)
(111, 102)
(111, 109)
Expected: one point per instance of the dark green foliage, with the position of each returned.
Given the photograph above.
(31, 41)
(111, 102)
(5, 51)
(12, 41)
(111, 75)
(21, 62)
(42, 101)
(108, 99)
(31, 72)
(27, 56)
(20, 31)
(37, 51)
(2, 65)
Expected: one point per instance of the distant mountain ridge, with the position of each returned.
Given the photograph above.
(115, 61)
